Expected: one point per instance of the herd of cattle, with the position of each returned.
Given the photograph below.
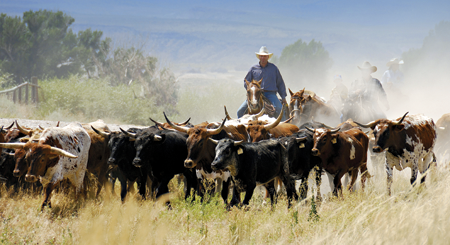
(236, 154)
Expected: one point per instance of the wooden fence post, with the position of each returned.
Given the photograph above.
(34, 90)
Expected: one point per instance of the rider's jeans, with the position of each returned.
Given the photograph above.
(272, 96)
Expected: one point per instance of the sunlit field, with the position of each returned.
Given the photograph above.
(419, 215)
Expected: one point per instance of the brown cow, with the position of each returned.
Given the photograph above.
(341, 152)
(98, 153)
(410, 141)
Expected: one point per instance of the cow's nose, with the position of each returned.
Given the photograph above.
(377, 149)
(137, 162)
(315, 152)
(188, 163)
(16, 173)
(30, 178)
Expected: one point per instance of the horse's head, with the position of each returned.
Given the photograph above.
(298, 106)
(255, 101)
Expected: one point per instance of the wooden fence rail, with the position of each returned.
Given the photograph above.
(17, 94)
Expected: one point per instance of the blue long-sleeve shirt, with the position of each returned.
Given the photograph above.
(272, 80)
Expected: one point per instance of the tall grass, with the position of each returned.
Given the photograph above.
(410, 216)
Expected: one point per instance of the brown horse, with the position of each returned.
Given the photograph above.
(256, 100)
(305, 105)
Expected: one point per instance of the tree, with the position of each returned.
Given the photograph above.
(304, 63)
(434, 53)
(14, 43)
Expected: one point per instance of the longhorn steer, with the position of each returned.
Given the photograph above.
(121, 145)
(301, 161)
(252, 164)
(162, 153)
(409, 142)
(341, 152)
(200, 154)
(60, 154)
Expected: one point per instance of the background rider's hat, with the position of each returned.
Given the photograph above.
(395, 61)
(366, 65)
(263, 51)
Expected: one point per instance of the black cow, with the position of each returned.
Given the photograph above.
(300, 159)
(122, 155)
(162, 153)
(252, 164)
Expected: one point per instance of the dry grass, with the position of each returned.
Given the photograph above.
(410, 216)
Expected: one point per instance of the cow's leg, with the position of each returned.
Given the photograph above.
(414, 171)
(219, 185)
(272, 193)
(249, 193)
(290, 189)
(123, 186)
(354, 174)
(226, 190)
(318, 183)
(303, 189)
(236, 199)
(391, 161)
(163, 186)
(143, 185)
(48, 193)
(364, 174)
(337, 182)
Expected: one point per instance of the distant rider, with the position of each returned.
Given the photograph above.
(271, 84)
(371, 91)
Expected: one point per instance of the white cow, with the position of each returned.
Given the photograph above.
(60, 153)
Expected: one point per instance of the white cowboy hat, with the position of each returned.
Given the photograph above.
(366, 65)
(395, 61)
(263, 51)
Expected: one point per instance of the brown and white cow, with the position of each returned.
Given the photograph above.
(341, 152)
(60, 154)
(409, 142)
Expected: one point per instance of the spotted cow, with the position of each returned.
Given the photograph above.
(409, 142)
(60, 154)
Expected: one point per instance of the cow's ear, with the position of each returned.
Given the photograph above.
(334, 138)
(132, 139)
(400, 126)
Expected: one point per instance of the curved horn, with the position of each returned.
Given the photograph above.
(261, 113)
(227, 115)
(61, 152)
(10, 126)
(216, 142)
(309, 129)
(401, 120)
(185, 122)
(22, 130)
(335, 130)
(12, 145)
(156, 122)
(237, 143)
(369, 125)
(323, 124)
(40, 127)
(105, 134)
(179, 128)
(132, 135)
(287, 121)
(157, 138)
(274, 124)
(217, 130)
(57, 125)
